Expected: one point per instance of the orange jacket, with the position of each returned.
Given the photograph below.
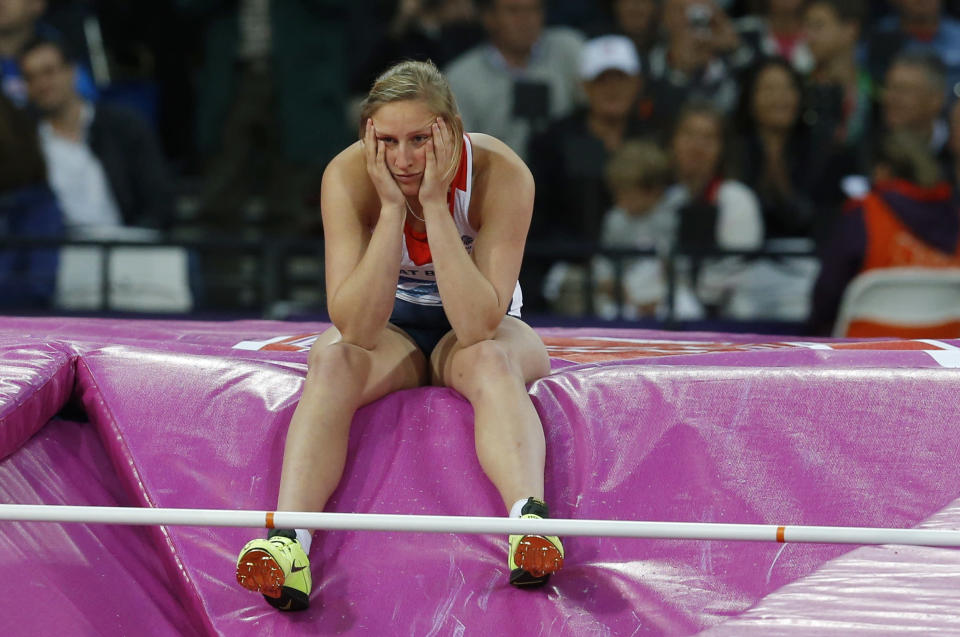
(890, 243)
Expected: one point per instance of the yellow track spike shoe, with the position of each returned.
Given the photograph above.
(533, 558)
(279, 569)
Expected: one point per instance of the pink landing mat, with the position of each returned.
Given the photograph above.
(76, 579)
(639, 425)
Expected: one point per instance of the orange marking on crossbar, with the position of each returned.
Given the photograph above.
(780, 532)
(269, 519)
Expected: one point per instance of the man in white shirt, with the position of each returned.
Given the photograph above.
(104, 163)
(522, 79)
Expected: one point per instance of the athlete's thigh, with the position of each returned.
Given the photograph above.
(395, 362)
(520, 342)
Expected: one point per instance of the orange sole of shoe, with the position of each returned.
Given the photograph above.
(538, 556)
(260, 573)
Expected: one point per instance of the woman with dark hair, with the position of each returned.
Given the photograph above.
(796, 172)
(772, 156)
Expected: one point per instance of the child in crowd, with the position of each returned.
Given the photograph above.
(637, 175)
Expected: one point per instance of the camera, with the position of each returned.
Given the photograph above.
(699, 17)
(531, 100)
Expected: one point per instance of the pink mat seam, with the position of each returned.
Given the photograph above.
(120, 457)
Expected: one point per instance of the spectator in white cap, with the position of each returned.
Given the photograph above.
(568, 159)
(610, 70)
(608, 52)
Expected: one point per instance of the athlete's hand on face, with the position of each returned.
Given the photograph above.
(439, 153)
(375, 154)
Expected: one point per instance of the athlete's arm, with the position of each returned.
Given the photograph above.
(362, 250)
(477, 291)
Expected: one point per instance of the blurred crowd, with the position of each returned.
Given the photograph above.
(687, 133)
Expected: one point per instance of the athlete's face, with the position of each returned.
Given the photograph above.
(404, 128)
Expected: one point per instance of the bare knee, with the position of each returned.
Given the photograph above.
(482, 366)
(337, 362)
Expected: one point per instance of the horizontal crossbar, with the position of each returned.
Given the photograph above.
(477, 525)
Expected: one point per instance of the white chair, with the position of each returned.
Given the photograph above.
(147, 278)
(901, 302)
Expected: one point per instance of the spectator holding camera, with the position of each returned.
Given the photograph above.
(690, 64)
(524, 77)
(776, 32)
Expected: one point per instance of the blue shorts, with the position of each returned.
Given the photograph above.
(425, 324)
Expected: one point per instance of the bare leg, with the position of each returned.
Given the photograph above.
(492, 375)
(341, 377)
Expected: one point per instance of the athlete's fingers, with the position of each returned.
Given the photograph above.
(370, 144)
(368, 135)
(438, 135)
(444, 130)
(431, 153)
(442, 149)
(381, 155)
(439, 145)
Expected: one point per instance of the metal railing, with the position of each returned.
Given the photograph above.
(277, 277)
